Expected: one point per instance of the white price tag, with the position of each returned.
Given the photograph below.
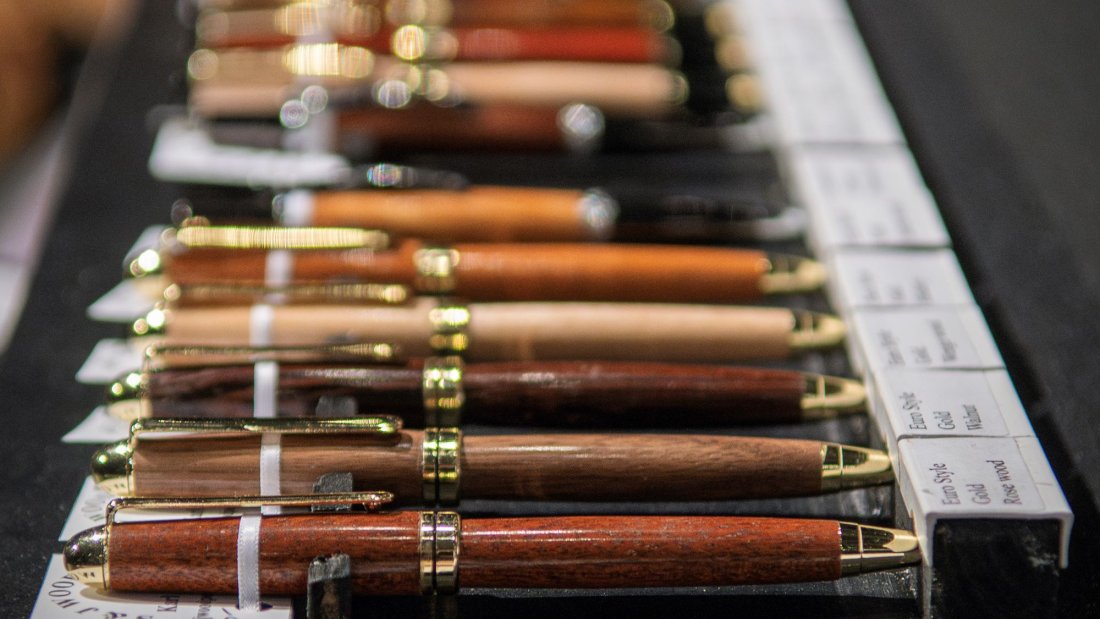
(891, 278)
(865, 196)
(945, 403)
(109, 359)
(925, 338)
(124, 303)
(63, 597)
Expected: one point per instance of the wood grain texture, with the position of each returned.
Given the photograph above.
(611, 331)
(637, 467)
(481, 213)
(566, 393)
(584, 467)
(230, 466)
(426, 126)
(200, 556)
(518, 331)
(639, 551)
(635, 395)
(247, 266)
(564, 272)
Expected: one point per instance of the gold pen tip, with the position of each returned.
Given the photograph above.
(111, 467)
(825, 397)
(85, 557)
(126, 397)
(865, 548)
(846, 466)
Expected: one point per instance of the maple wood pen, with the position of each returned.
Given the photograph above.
(233, 457)
(541, 393)
(410, 553)
(224, 256)
(510, 331)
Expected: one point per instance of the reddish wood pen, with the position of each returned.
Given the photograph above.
(546, 393)
(424, 552)
(513, 271)
(217, 458)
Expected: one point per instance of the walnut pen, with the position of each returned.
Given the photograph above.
(485, 271)
(443, 390)
(199, 457)
(410, 553)
(511, 331)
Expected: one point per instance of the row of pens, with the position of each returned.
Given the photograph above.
(324, 345)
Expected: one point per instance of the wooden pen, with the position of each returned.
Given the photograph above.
(517, 393)
(231, 457)
(410, 553)
(229, 255)
(511, 331)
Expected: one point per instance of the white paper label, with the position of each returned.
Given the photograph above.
(124, 303)
(98, 427)
(943, 403)
(109, 359)
(891, 278)
(926, 338)
(865, 196)
(186, 154)
(62, 597)
(975, 476)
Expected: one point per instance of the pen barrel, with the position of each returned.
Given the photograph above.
(567, 467)
(512, 271)
(368, 130)
(606, 44)
(562, 272)
(483, 213)
(552, 552)
(619, 551)
(166, 556)
(561, 12)
(562, 394)
(515, 331)
(637, 467)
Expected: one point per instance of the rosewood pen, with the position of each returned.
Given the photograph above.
(511, 331)
(410, 553)
(251, 256)
(238, 457)
(219, 382)
(504, 214)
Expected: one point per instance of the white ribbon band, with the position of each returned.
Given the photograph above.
(278, 268)
(297, 208)
(271, 483)
(248, 563)
(260, 324)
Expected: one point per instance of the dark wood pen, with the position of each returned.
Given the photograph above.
(518, 393)
(200, 457)
(410, 553)
(497, 271)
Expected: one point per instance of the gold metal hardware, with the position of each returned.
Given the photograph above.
(792, 275)
(815, 331)
(86, 559)
(378, 425)
(440, 535)
(449, 322)
(745, 93)
(165, 356)
(249, 237)
(370, 500)
(825, 397)
(153, 323)
(845, 466)
(128, 397)
(435, 269)
(443, 391)
(866, 548)
(240, 294)
(441, 464)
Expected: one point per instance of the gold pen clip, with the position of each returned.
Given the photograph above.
(238, 294)
(371, 500)
(195, 233)
(377, 425)
(163, 356)
(792, 275)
